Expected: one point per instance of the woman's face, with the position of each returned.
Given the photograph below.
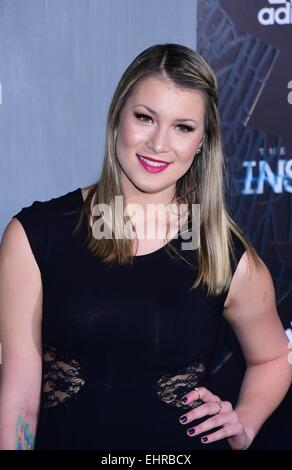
(161, 122)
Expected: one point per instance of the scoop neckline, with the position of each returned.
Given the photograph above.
(153, 253)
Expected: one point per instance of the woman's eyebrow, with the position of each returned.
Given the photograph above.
(155, 113)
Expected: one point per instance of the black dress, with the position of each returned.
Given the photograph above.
(121, 344)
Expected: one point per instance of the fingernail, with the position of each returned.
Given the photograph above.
(191, 431)
(184, 399)
(204, 439)
(183, 419)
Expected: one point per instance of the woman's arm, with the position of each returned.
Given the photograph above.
(251, 310)
(20, 336)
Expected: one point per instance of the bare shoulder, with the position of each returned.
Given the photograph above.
(15, 252)
(20, 287)
(14, 240)
(252, 312)
(249, 278)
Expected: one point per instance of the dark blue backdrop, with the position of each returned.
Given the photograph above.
(249, 46)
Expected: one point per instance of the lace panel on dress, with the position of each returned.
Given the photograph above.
(61, 377)
(173, 387)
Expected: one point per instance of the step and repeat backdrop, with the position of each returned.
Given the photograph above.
(249, 46)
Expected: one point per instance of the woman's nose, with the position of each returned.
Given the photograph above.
(158, 141)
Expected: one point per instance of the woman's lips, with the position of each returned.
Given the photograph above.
(152, 168)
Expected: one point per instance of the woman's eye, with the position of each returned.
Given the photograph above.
(142, 117)
(185, 128)
(146, 118)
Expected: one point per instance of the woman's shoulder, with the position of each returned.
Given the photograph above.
(241, 245)
(44, 222)
(245, 262)
(54, 205)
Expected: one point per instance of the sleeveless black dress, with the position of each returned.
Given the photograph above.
(121, 344)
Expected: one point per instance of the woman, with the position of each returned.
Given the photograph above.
(108, 334)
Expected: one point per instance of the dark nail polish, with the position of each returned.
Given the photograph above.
(191, 431)
(204, 439)
(183, 419)
(184, 399)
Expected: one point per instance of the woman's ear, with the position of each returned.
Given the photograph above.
(199, 149)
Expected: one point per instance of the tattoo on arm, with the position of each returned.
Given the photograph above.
(25, 438)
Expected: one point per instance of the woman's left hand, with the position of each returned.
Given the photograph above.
(222, 415)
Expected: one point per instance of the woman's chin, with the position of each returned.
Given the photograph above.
(149, 188)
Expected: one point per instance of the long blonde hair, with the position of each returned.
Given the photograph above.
(204, 182)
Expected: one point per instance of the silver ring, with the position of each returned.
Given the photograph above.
(198, 392)
(220, 406)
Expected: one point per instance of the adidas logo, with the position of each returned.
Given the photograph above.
(280, 15)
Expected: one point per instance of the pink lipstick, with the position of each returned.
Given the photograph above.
(151, 165)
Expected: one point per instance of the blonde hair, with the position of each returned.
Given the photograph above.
(204, 182)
